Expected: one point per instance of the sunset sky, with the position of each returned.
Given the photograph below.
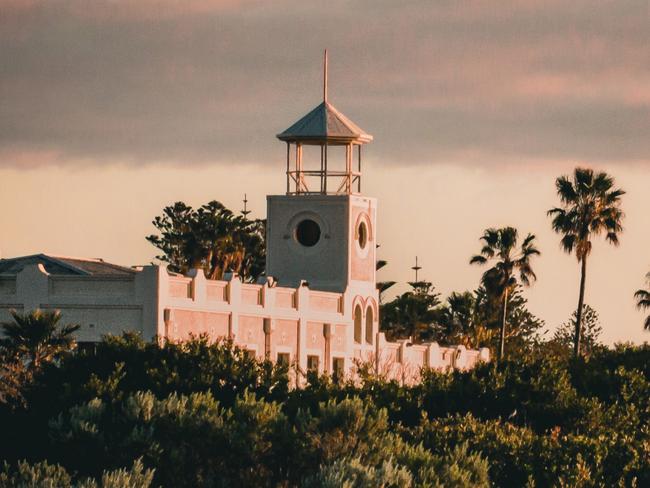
(111, 110)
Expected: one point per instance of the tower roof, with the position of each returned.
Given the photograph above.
(325, 124)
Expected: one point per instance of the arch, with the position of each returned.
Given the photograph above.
(371, 303)
(369, 325)
(365, 218)
(357, 324)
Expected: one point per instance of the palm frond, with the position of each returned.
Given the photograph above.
(583, 179)
(568, 243)
(478, 259)
(643, 299)
(565, 189)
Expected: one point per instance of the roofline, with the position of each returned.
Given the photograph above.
(333, 140)
(58, 260)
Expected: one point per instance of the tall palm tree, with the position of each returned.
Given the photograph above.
(590, 207)
(37, 336)
(500, 247)
(643, 301)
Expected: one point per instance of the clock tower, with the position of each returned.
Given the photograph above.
(323, 230)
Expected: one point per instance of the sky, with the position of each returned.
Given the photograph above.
(110, 110)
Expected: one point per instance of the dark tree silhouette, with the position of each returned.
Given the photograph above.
(211, 238)
(590, 207)
(500, 247)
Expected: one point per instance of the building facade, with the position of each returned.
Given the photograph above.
(318, 306)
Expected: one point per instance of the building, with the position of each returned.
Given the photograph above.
(318, 307)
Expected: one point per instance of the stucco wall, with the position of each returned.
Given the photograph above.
(265, 319)
(100, 305)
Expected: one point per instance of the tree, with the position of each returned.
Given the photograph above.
(499, 246)
(591, 330)
(590, 207)
(412, 313)
(211, 238)
(37, 337)
(456, 319)
(643, 301)
(471, 318)
(13, 376)
(382, 286)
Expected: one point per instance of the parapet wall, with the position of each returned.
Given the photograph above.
(310, 329)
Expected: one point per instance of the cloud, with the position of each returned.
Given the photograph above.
(204, 82)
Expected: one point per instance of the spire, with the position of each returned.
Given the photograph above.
(416, 268)
(324, 126)
(325, 77)
(245, 212)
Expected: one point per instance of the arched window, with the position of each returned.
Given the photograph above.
(369, 323)
(357, 324)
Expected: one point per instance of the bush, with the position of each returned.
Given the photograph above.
(44, 475)
(200, 414)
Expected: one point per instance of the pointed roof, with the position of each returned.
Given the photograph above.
(325, 124)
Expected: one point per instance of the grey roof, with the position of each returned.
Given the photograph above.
(59, 265)
(325, 124)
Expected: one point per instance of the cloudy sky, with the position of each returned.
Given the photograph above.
(110, 110)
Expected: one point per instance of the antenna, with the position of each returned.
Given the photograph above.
(245, 212)
(416, 268)
(325, 77)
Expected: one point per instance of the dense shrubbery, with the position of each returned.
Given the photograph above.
(199, 414)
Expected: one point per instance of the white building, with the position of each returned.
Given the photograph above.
(318, 308)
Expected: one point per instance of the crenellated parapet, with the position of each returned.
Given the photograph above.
(310, 329)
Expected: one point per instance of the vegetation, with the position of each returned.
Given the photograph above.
(211, 238)
(590, 207)
(412, 313)
(36, 337)
(201, 413)
(591, 330)
(206, 414)
(500, 246)
(643, 301)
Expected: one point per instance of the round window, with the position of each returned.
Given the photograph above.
(308, 233)
(362, 235)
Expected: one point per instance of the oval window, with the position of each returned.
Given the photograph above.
(308, 233)
(362, 235)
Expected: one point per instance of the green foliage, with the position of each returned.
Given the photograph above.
(351, 473)
(642, 298)
(511, 268)
(590, 207)
(13, 378)
(40, 474)
(211, 238)
(45, 475)
(37, 337)
(200, 414)
(591, 330)
(412, 313)
(474, 318)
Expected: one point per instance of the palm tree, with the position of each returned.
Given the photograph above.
(590, 207)
(382, 286)
(37, 336)
(643, 301)
(499, 245)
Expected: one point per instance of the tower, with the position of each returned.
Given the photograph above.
(323, 230)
